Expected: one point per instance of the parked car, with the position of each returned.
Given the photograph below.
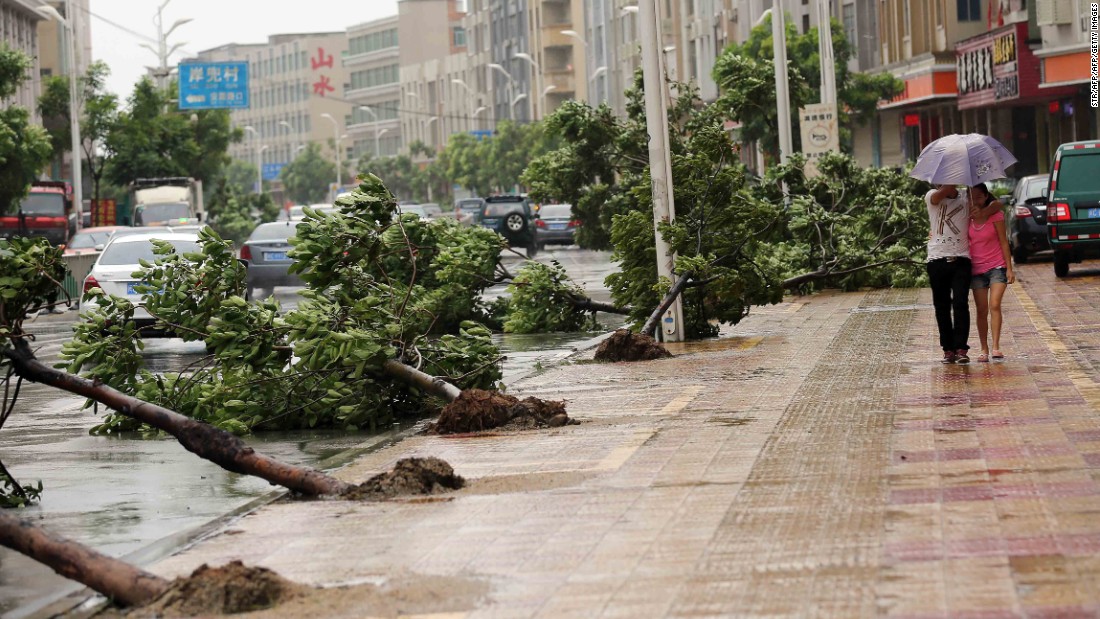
(416, 209)
(90, 240)
(468, 211)
(1073, 204)
(555, 225)
(113, 270)
(294, 213)
(1026, 221)
(267, 253)
(513, 218)
(432, 210)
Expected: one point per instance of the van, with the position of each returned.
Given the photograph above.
(1073, 204)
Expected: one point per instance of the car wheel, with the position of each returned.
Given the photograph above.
(1019, 254)
(515, 223)
(1061, 264)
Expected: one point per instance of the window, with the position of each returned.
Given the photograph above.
(849, 17)
(372, 42)
(969, 10)
(458, 36)
(377, 76)
(805, 24)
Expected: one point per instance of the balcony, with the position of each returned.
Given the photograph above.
(552, 36)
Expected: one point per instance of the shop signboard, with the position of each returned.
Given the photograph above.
(820, 135)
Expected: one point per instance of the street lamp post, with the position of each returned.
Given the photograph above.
(283, 123)
(538, 81)
(376, 137)
(511, 86)
(374, 117)
(469, 98)
(336, 145)
(259, 163)
(584, 47)
(163, 51)
(478, 111)
(520, 97)
(592, 83)
(74, 100)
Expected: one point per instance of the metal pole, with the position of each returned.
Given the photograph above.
(377, 152)
(259, 168)
(660, 166)
(825, 50)
(782, 90)
(74, 110)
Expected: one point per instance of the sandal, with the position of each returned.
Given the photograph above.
(998, 354)
(983, 358)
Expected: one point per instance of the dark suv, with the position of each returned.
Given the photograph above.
(513, 218)
(1027, 217)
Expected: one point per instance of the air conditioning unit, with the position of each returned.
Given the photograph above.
(1053, 12)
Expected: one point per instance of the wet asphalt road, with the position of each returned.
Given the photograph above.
(122, 494)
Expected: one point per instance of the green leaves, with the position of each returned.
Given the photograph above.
(307, 177)
(30, 272)
(542, 300)
(24, 146)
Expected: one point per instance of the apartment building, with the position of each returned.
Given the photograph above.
(296, 83)
(19, 30)
(373, 90)
(437, 98)
(1064, 61)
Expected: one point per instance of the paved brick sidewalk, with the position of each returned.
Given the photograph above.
(818, 462)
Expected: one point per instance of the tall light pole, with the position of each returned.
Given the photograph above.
(260, 158)
(660, 164)
(478, 111)
(546, 91)
(336, 146)
(520, 97)
(469, 98)
(511, 86)
(374, 117)
(428, 124)
(283, 123)
(592, 83)
(259, 163)
(538, 82)
(584, 48)
(69, 27)
(162, 50)
(377, 153)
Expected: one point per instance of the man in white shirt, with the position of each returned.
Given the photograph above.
(949, 269)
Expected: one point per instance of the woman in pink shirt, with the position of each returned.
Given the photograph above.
(991, 267)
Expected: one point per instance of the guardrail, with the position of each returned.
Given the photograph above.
(76, 269)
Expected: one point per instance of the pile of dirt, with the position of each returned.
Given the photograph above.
(232, 588)
(625, 345)
(476, 410)
(409, 476)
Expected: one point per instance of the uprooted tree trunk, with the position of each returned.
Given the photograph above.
(201, 439)
(412, 376)
(585, 304)
(625, 345)
(118, 580)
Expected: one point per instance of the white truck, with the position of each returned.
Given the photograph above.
(172, 201)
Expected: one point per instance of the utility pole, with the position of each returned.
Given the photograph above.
(660, 161)
(782, 89)
(825, 51)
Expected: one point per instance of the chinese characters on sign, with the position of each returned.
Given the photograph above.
(818, 123)
(988, 68)
(323, 84)
(210, 85)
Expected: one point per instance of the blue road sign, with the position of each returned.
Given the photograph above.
(212, 85)
(272, 170)
(481, 134)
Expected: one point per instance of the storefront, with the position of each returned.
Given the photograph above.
(1000, 94)
(923, 112)
(1068, 118)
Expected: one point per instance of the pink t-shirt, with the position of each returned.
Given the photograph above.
(985, 245)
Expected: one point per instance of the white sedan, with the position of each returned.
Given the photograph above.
(113, 271)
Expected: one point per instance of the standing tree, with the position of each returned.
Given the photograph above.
(24, 147)
(306, 178)
(149, 140)
(746, 75)
(99, 113)
(398, 172)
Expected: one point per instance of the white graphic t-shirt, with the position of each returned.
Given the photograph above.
(949, 219)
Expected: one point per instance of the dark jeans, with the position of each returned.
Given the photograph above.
(950, 281)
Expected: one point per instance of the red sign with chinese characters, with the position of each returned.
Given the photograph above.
(998, 68)
(323, 84)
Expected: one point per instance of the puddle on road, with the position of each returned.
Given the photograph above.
(713, 345)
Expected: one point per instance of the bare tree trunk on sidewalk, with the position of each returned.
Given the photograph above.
(201, 439)
(650, 326)
(412, 376)
(118, 580)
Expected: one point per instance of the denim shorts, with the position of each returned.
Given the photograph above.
(996, 275)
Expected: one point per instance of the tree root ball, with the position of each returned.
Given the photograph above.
(409, 476)
(232, 588)
(625, 345)
(476, 410)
